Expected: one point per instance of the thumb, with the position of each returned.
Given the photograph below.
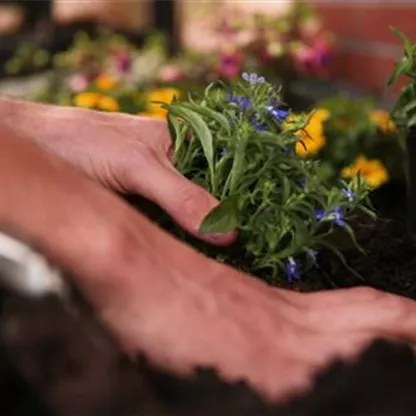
(187, 203)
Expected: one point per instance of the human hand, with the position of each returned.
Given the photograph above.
(126, 153)
(160, 297)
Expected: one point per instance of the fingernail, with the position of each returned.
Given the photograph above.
(222, 238)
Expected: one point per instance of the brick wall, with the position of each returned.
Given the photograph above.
(366, 48)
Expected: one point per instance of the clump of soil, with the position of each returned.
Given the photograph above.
(60, 362)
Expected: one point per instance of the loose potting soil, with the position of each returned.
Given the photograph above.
(57, 361)
(387, 262)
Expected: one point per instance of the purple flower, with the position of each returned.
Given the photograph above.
(257, 125)
(123, 62)
(336, 215)
(292, 270)
(243, 102)
(223, 152)
(320, 214)
(349, 194)
(279, 114)
(252, 78)
(302, 183)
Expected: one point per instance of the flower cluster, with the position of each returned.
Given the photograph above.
(240, 143)
(293, 44)
(352, 137)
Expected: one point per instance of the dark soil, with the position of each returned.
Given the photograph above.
(389, 261)
(57, 361)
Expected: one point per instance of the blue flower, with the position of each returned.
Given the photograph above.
(257, 125)
(349, 194)
(292, 270)
(252, 78)
(241, 101)
(223, 152)
(320, 214)
(336, 215)
(302, 183)
(287, 150)
(279, 114)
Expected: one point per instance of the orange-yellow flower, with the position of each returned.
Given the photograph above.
(105, 82)
(383, 120)
(311, 138)
(87, 99)
(92, 100)
(164, 95)
(371, 170)
(108, 104)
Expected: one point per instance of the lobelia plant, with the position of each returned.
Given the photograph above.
(239, 143)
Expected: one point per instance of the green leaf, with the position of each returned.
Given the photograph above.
(239, 164)
(341, 257)
(409, 107)
(408, 46)
(269, 138)
(179, 137)
(401, 68)
(201, 130)
(223, 218)
(207, 112)
(412, 121)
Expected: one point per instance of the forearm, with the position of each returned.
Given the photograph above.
(41, 123)
(47, 204)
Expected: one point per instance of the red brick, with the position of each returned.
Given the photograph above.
(369, 21)
(378, 19)
(343, 20)
(365, 70)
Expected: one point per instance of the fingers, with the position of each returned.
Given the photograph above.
(187, 203)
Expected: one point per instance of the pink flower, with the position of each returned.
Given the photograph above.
(171, 73)
(78, 83)
(230, 66)
(123, 61)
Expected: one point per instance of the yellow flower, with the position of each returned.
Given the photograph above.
(108, 104)
(105, 82)
(87, 99)
(164, 95)
(383, 121)
(371, 170)
(92, 100)
(312, 137)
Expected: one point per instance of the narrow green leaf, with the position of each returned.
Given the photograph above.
(207, 112)
(239, 164)
(409, 107)
(412, 121)
(408, 46)
(201, 130)
(223, 218)
(341, 258)
(179, 137)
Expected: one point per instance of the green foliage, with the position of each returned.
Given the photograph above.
(239, 143)
(405, 109)
(352, 129)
